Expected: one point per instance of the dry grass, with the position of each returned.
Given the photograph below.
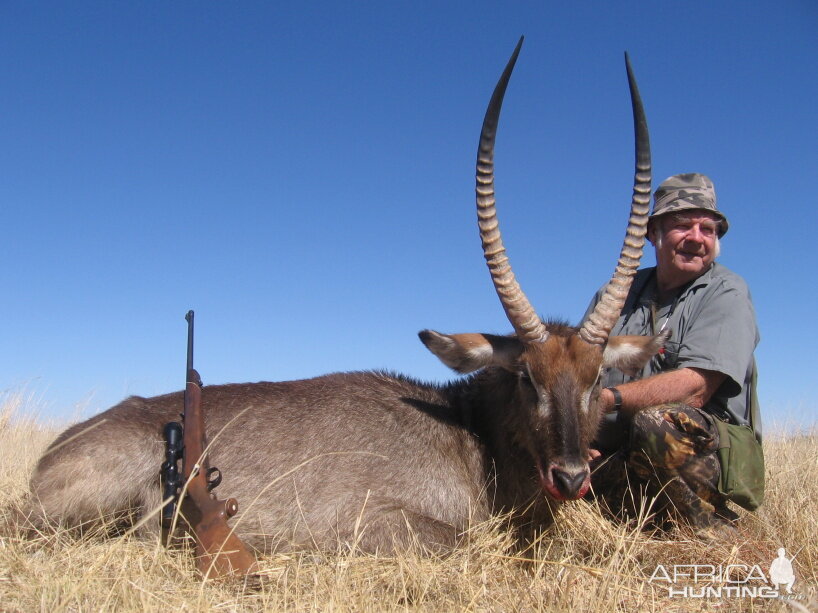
(584, 563)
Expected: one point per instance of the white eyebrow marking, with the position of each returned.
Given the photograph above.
(586, 399)
(543, 397)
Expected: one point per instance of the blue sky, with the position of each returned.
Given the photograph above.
(302, 176)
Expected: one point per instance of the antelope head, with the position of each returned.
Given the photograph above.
(557, 368)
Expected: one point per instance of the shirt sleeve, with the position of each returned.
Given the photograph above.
(721, 335)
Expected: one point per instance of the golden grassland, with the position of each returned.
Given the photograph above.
(584, 563)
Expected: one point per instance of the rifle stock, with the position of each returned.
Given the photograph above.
(219, 551)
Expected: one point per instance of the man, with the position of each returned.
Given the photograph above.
(660, 433)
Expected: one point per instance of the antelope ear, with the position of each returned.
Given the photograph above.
(469, 352)
(630, 353)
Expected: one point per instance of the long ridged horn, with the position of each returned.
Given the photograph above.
(520, 313)
(599, 324)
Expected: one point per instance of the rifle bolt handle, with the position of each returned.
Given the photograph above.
(231, 507)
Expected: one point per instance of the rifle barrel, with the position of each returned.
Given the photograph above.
(189, 319)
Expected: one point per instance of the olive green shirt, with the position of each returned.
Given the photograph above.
(713, 327)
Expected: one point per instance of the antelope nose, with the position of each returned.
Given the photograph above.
(569, 482)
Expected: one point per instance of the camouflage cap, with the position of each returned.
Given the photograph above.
(687, 191)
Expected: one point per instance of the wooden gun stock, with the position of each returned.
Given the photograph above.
(219, 551)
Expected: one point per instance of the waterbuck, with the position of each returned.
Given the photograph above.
(380, 460)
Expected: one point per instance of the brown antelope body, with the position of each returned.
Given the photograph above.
(375, 459)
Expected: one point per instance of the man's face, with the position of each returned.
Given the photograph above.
(686, 245)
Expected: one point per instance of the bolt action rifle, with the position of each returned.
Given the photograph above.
(219, 551)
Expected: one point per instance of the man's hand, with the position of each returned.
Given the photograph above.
(607, 400)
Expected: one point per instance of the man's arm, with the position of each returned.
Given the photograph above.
(691, 386)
